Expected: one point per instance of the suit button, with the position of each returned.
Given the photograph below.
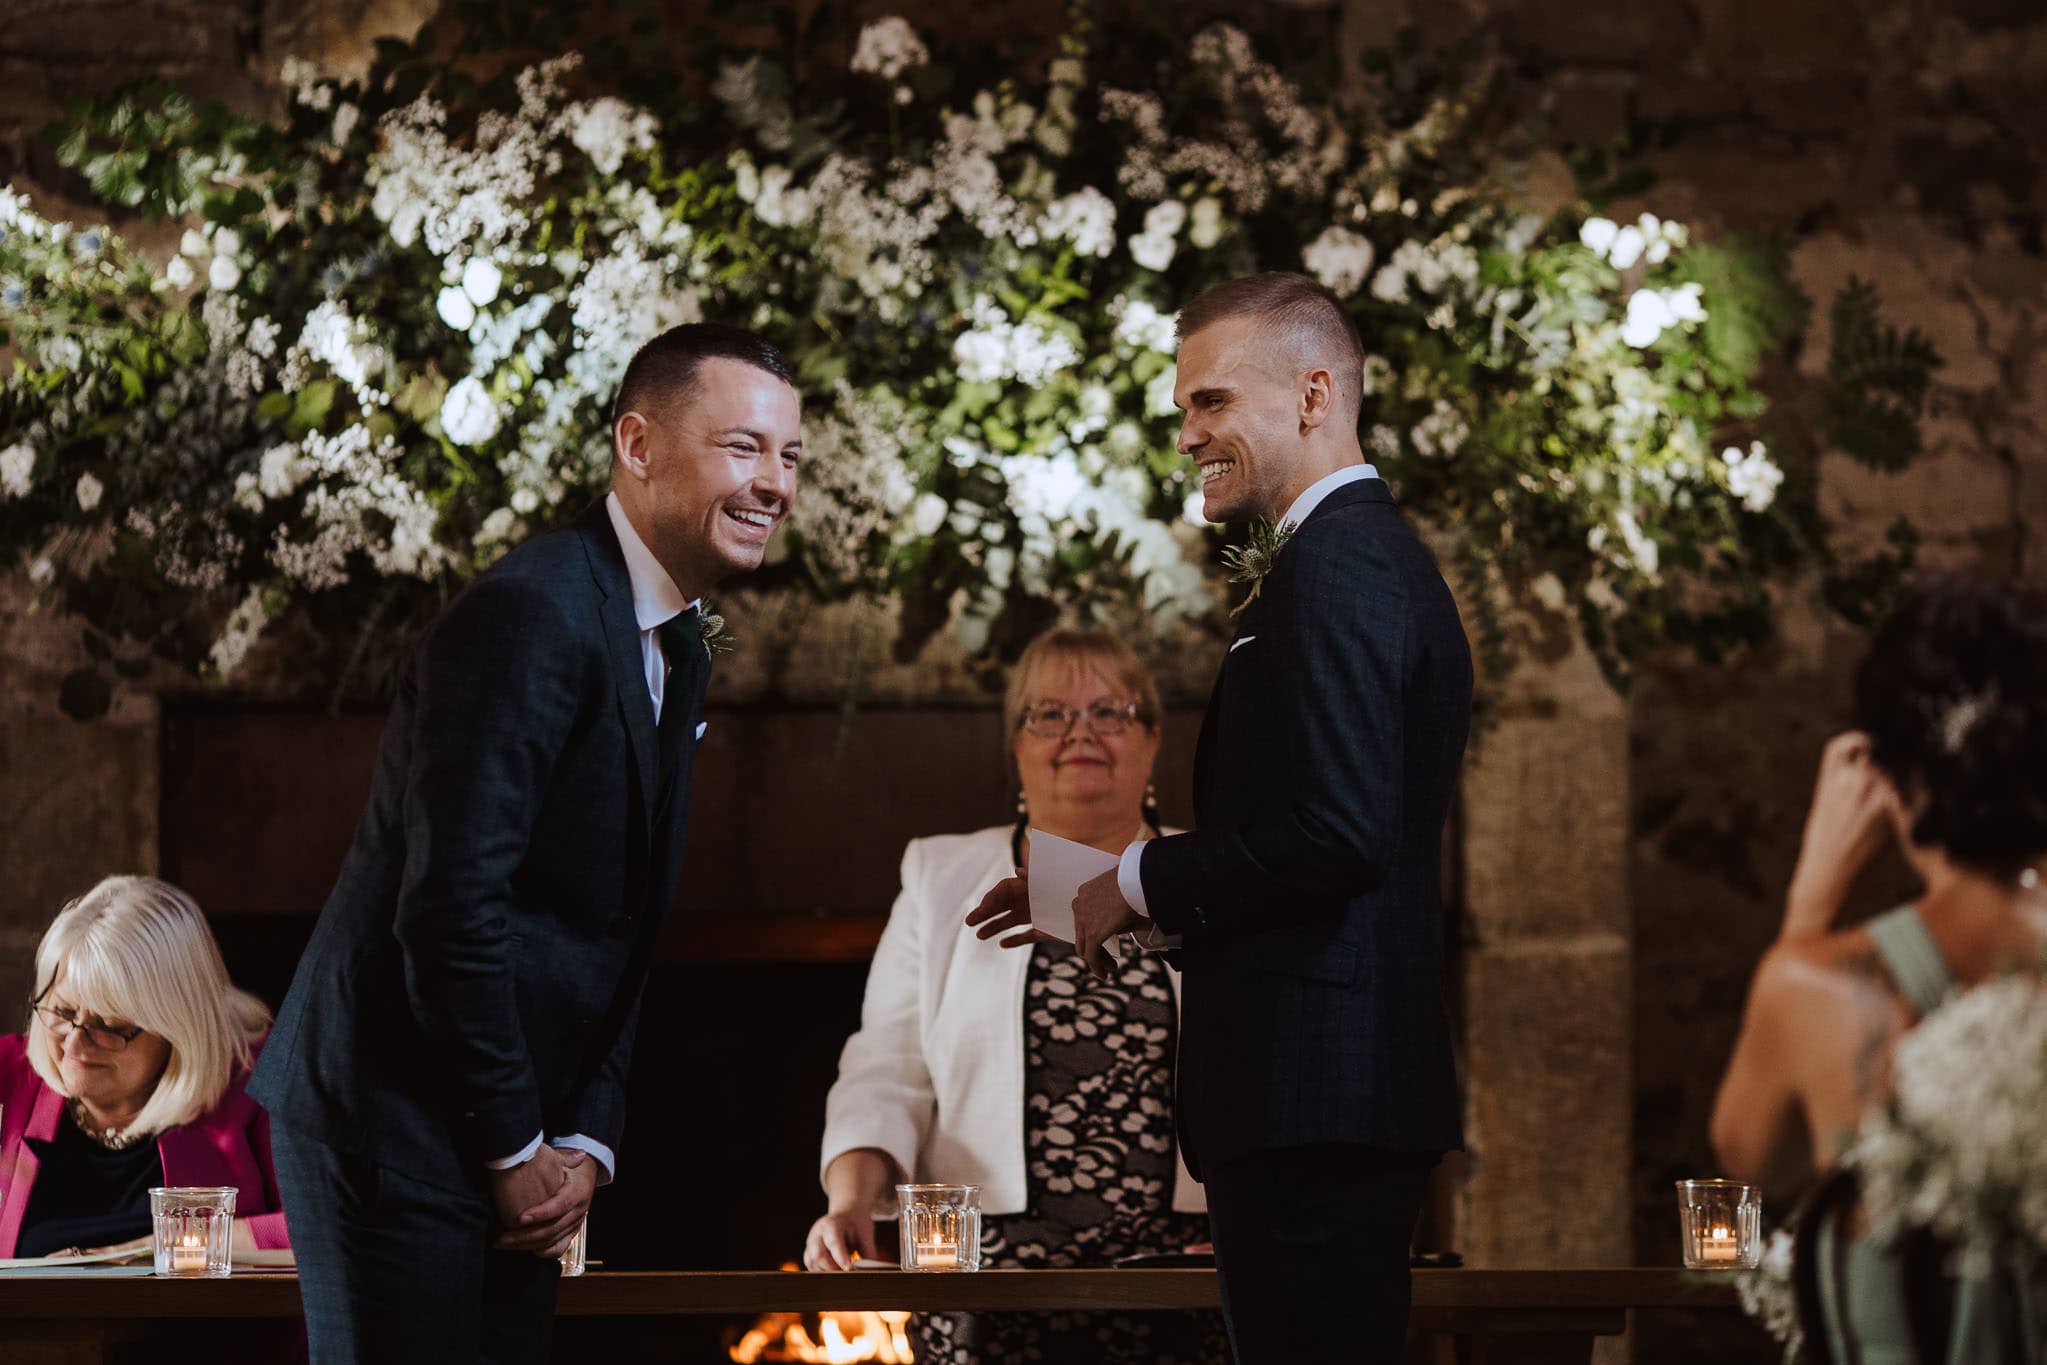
(620, 926)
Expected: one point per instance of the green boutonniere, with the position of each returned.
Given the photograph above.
(1251, 561)
(716, 641)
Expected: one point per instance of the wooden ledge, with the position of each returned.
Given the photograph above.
(1458, 1299)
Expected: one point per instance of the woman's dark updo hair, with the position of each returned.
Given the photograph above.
(1953, 694)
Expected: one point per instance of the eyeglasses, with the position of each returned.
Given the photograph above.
(107, 1037)
(1106, 719)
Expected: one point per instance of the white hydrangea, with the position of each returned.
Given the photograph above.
(455, 307)
(1652, 312)
(1086, 218)
(1340, 259)
(17, 469)
(179, 274)
(1141, 326)
(341, 342)
(89, 491)
(1648, 238)
(623, 301)
(481, 281)
(1752, 476)
(469, 416)
(1205, 223)
(994, 349)
(1154, 247)
(606, 129)
(889, 47)
(928, 514)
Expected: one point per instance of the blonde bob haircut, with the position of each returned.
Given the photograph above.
(137, 950)
(1062, 651)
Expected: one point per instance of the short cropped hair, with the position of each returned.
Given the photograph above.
(1089, 651)
(664, 371)
(1953, 696)
(1300, 311)
(137, 949)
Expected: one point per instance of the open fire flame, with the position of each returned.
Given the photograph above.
(842, 1337)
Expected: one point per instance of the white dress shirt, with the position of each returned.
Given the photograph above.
(1129, 880)
(656, 601)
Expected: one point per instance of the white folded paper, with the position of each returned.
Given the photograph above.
(1058, 868)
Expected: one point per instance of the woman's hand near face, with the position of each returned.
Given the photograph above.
(1850, 804)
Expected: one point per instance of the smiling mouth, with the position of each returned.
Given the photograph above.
(752, 519)
(1215, 470)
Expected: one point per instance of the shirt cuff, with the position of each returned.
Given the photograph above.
(518, 1158)
(1130, 880)
(601, 1153)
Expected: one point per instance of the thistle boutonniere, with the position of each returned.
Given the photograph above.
(1251, 561)
(712, 627)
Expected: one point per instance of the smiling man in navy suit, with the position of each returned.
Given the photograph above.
(1316, 1086)
(446, 1078)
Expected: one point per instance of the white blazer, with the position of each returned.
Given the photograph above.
(935, 1075)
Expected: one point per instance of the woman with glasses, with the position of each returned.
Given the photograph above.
(130, 1076)
(1018, 1071)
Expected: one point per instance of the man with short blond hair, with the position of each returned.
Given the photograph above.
(1316, 1086)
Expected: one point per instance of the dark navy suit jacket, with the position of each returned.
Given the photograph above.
(1309, 893)
(474, 979)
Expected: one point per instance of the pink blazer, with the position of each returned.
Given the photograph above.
(229, 1145)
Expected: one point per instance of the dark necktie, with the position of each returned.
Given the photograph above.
(680, 638)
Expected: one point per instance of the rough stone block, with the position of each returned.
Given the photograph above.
(1550, 1096)
(1545, 810)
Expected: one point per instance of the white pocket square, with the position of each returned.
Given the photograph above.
(702, 726)
(1240, 642)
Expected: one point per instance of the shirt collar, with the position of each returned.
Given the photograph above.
(656, 599)
(1311, 496)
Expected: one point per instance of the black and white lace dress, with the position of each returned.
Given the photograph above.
(1098, 1160)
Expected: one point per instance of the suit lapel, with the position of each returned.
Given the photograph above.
(628, 663)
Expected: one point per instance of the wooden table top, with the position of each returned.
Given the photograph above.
(663, 1293)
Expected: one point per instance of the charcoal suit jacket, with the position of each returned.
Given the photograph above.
(474, 979)
(1309, 893)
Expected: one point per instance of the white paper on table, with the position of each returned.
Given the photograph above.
(1058, 868)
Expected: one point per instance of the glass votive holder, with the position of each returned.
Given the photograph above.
(1722, 1224)
(194, 1230)
(576, 1259)
(941, 1226)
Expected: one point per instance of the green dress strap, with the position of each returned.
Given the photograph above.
(1912, 958)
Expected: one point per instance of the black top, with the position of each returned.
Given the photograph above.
(87, 1195)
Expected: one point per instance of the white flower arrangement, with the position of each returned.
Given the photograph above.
(989, 324)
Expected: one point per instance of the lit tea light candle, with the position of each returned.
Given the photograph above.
(937, 1251)
(1719, 1247)
(188, 1255)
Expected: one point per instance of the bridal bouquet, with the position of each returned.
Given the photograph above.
(384, 350)
(1958, 1149)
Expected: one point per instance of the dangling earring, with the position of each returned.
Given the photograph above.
(1151, 806)
(1023, 810)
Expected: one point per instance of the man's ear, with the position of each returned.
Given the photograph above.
(1318, 398)
(630, 435)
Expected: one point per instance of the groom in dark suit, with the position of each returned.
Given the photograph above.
(1315, 1084)
(446, 1078)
